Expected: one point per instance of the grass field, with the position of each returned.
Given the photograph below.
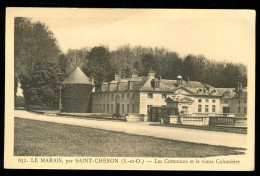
(36, 138)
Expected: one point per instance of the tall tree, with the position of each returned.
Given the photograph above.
(98, 65)
(34, 46)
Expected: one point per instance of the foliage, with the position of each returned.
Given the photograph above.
(36, 55)
(168, 64)
(98, 65)
(43, 87)
(19, 101)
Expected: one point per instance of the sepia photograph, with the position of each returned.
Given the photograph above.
(130, 89)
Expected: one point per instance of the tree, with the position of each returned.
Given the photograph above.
(148, 61)
(63, 63)
(34, 47)
(98, 65)
(43, 87)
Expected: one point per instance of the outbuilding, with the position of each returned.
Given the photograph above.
(75, 93)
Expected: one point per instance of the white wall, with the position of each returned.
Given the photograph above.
(155, 101)
(209, 103)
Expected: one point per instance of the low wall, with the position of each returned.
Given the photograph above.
(198, 121)
(228, 121)
(206, 121)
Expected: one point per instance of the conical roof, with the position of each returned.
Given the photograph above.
(77, 77)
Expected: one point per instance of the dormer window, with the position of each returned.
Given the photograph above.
(164, 96)
(150, 95)
(157, 84)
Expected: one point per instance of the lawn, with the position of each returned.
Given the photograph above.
(37, 138)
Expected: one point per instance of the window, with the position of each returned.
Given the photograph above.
(96, 107)
(133, 108)
(112, 110)
(127, 108)
(107, 95)
(164, 96)
(206, 108)
(226, 110)
(133, 95)
(225, 101)
(123, 108)
(150, 95)
(199, 108)
(245, 101)
(148, 108)
(157, 84)
(112, 96)
(104, 95)
(245, 110)
(123, 95)
(199, 100)
(128, 95)
(107, 108)
(100, 110)
(213, 101)
(207, 100)
(238, 109)
(104, 108)
(213, 108)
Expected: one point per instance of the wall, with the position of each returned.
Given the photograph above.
(234, 104)
(203, 103)
(155, 101)
(76, 98)
(109, 99)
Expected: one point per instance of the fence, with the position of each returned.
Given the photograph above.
(206, 121)
(228, 121)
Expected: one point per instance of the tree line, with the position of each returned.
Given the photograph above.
(40, 66)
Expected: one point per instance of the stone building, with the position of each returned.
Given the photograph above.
(136, 95)
(75, 93)
(233, 100)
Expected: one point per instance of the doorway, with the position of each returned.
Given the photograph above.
(117, 108)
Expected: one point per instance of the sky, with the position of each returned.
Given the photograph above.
(219, 35)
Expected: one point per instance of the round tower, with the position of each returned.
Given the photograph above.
(75, 93)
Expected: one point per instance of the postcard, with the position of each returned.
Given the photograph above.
(130, 89)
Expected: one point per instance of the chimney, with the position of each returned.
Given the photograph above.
(134, 75)
(92, 80)
(117, 77)
(188, 79)
(93, 83)
(179, 80)
(151, 72)
(159, 77)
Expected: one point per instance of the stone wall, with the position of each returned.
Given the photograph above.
(76, 98)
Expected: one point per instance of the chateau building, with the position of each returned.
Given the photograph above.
(136, 95)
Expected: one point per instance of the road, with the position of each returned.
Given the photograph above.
(142, 128)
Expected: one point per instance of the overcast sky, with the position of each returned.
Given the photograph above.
(219, 35)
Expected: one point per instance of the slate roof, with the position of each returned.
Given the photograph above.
(144, 83)
(231, 93)
(195, 88)
(227, 92)
(77, 77)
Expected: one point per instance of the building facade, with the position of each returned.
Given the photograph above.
(136, 95)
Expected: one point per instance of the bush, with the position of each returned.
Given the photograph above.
(19, 101)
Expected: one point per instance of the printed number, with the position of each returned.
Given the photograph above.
(21, 160)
